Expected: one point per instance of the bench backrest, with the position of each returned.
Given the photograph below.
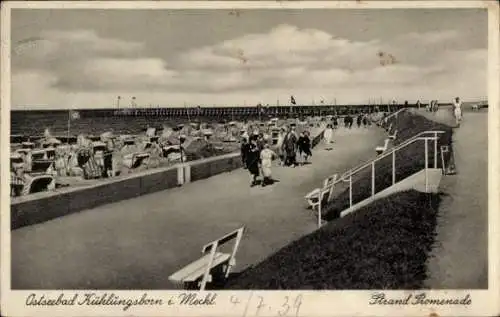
(328, 185)
(212, 248)
(223, 240)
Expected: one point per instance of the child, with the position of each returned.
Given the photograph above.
(266, 157)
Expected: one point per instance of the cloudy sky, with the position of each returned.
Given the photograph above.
(86, 58)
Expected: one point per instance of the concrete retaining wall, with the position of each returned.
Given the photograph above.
(40, 207)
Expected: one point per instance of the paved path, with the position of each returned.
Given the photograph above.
(139, 242)
(460, 257)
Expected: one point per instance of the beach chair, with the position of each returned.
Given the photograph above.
(148, 145)
(313, 197)
(41, 166)
(38, 183)
(393, 135)
(98, 146)
(382, 149)
(91, 169)
(16, 161)
(134, 160)
(167, 150)
(38, 154)
(50, 153)
(28, 145)
(16, 185)
(154, 139)
(23, 152)
(150, 132)
(128, 142)
(212, 265)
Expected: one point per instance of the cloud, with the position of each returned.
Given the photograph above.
(254, 67)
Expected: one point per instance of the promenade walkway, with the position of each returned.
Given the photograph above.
(460, 257)
(139, 242)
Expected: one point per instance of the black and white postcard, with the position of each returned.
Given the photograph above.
(250, 158)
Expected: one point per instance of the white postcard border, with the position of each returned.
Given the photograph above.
(250, 303)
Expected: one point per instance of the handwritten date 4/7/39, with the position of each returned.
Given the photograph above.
(260, 306)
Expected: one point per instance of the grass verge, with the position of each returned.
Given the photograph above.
(381, 246)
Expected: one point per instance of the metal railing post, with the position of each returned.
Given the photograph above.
(209, 266)
(235, 249)
(350, 190)
(435, 149)
(393, 167)
(373, 179)
(426, 165)
(319, 208)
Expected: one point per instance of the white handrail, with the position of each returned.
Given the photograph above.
(394, 149)
(392, 152)
(392, 115)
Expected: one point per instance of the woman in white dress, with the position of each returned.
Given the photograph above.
(266, 157)
(457, 109)
(279, 145)
(328, 134)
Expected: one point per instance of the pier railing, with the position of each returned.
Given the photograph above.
(394, 114)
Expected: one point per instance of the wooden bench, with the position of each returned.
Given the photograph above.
(317, 196)
(200, 272)
(382, 149)
(312, 197)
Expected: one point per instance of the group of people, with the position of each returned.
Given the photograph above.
(433, 106)
(257, 156)
(361, 119)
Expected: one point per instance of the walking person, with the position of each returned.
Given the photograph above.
(457, 109)
(252, 159)
(290, 148)
(358, 121)
(335, 122)
(266, 157)
(243, 151)
(436, 106)
(328, 134)
(365, 120)
(279, 146)
(300, 143)
(306, 146)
